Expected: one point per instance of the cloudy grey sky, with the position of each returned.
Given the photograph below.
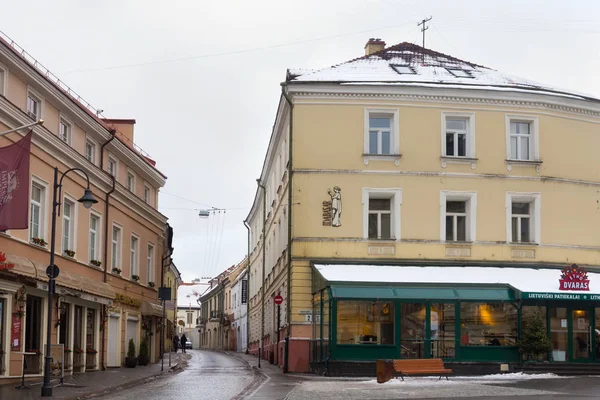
(206, 118)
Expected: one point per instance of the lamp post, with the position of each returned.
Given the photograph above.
(52, 271)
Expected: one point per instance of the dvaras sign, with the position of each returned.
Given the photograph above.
(574, 278)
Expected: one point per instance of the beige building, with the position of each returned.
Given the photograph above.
(406, 160)
(109, 255)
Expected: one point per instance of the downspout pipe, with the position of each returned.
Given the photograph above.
(261, 350)
(105, 256)
(284, 92)
(248, 293)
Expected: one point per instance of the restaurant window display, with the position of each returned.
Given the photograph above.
(412, 330)
(488, 324)
(365, 323)
(442, 324)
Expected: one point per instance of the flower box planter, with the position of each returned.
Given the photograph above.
(39, 242)
(33, 364)
(96, 263)
(90, 361)
(135, 278)
(116, 271)
(151, 284)
(69, 253)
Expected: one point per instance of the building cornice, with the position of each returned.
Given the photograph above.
(446, 95)
(76, 113)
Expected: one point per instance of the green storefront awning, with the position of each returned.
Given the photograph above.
(422, 293)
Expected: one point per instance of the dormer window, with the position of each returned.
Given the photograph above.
(459, 72)
(404, 69)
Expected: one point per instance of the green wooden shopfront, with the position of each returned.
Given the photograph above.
(459, 314)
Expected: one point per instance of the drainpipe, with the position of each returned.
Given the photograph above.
(262, 316)
(105, 256)
(289, 245)
(248, 291)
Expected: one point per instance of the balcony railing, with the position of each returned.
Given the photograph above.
(216, 315)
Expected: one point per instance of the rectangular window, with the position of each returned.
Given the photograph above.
(380, 218)
(112, 167)
(150, 264)
(456, 137)
(380, 134)
(521, 222)
(456, 220)
(36, 216)
(413, 333)
(90, 151)
(189, 318)
(147, 197)
(116, 248)
(442, 320)
(68, 212)
(458, 216)
(365, 322)
(34, 106)
(520, 140)
(133, 261)
(3, 78)
(130, 182)
(64, 131)
(488, 324)
(94, 237)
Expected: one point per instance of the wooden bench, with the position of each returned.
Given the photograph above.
(387, 369)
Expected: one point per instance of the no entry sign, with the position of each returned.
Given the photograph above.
(278, 299)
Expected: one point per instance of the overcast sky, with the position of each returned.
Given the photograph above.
(206, 118)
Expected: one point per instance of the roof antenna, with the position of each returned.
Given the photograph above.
(424, 28)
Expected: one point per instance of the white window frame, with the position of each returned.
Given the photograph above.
(148, 191)
(470, 197)
(394, 114)
(535, 199)
(132, 189)
(38, 99)
(4, 81)
(395, 194)
(63, 121)
(116, 247)
(98, 233)
(534, 148)
(94, 144)
(150, 264)
(134, 256)
(116, 162)
(43, 207)
(470, 145)
(72, 245)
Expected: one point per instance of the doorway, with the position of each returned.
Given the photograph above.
(571, 333)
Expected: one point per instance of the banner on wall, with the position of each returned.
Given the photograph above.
(14, 184)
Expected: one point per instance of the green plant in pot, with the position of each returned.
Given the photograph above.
(535, 343)
(131, 360)
(143, 359)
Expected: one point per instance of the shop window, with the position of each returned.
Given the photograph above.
(33, 334)
(90, 331)
(78, 329)
(412, 330)
(365, 322)
(488, 324)
(442, 322)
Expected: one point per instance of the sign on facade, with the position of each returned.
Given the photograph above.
(574, 278)
(244, 291)
(15, 337)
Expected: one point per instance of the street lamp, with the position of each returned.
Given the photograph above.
(52, 271)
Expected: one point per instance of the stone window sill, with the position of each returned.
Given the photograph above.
(526, 163)
(382, 157)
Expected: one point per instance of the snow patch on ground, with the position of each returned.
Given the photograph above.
(434, 380)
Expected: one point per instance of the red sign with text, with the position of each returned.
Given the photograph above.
(15, 337)
(574, 278)
(278, 299)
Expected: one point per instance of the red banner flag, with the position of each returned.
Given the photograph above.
(14, 184)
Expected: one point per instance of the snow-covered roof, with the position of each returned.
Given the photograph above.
(522, 279)
(412, 65)
(187, 294)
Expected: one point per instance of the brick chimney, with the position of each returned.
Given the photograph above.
(373, 46)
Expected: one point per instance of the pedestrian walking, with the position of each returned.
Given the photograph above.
(175, 342)
(183, 342)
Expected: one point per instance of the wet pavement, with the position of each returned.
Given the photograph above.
(79, 386)
(208, 375)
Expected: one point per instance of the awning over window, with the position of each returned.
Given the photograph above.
(33, 269)
(465, 283)
(149, 308)
(422, 293)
